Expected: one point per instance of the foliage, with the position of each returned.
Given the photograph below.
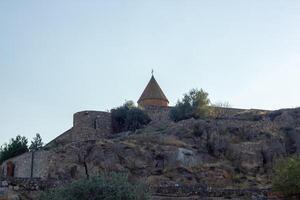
(286, 177)
(107, 187)
(128, 117)
(15, 147)
(36, 143)
(219, 109)
(193, 104)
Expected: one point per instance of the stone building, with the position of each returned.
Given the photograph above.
(154, 101)
(153, 95)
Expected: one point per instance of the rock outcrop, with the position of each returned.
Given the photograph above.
(239, 151)
(236, 152)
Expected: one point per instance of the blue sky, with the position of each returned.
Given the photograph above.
(59, 57)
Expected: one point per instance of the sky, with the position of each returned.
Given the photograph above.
(60, 57)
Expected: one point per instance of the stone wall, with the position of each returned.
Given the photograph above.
(153, 102)
(91, 125)
(64, 138)
(87, 125)
(86, 133)
(41, 161)
(22, 165)
(93, 119)
(161, 113)
(205, 191)
(158, 113)
(191, 192)
(38, 162)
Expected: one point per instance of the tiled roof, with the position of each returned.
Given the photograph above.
(153, 91)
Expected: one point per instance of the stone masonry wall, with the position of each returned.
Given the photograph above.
(87, 125)
(41, 164)
(158, 113)
(90, 125)
(153, 102)
(93, 119)
(64, 138)
(23, 165)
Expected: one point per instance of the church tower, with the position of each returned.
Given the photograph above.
(153, 95)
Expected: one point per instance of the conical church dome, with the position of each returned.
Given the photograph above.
(153, 95)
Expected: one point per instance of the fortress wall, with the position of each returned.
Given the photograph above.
(87, 125)
(41, 164)
(158, 113)
(64, 138)
(84, 134)
(92, 119)
(90, 125)
(23, 164)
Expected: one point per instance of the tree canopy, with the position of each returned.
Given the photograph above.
(36, 143)
(128, 117)
(15, 147)
(193, 104)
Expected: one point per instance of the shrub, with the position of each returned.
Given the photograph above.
(286, 177)
(193, 104)
(128, 117)
(15, 147)
(106, 187)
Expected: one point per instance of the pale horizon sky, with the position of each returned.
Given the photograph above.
(60, 57)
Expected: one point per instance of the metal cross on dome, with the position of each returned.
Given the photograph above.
(152, 72)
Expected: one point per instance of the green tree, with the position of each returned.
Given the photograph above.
(135, 119)
(15, 147)
(36, 143)
(128, 117)
(194, 104)
(106, 187)
(286, 178)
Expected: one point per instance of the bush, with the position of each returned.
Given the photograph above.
(286, 177)
(106, 187)
(128, 117)
(194, 104)
(15, 147)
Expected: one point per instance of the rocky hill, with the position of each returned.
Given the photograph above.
(236, 152)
